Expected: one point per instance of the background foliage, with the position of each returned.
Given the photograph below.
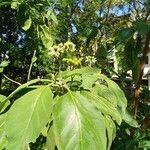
(41, 39)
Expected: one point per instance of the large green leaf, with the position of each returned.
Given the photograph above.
(104, 106)
(2, 132)
(111, 130)
(119, 95)
(27, 117)
(82, 71)
(78, 125)
(89, 79)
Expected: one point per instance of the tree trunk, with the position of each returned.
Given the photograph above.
(136, 92)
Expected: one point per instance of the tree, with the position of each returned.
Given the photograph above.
(37, 43)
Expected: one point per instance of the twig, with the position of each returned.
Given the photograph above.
(11, 80)
(29, 73)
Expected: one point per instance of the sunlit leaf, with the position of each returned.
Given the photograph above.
(27, 117)
(54, 18)
(3, 103)
(4, 63)
(104, 106)
(27, 24)
(50, 139)
(130, 120)
(3, 140)
(78, 124)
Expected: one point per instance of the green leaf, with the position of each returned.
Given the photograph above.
(3, 140)
(2, 98)
(142, 27)
(103, 91)
(104, 105)
(125, 34)
(27, 117)
(34, 59)
(111, 130)
(1, 70)
(89, 80)
(82, 71)
(54, 18)
(5, 3)
(130, 120)
(46, 36)
(14, 5)
(78, 124)
(132, 59)
(144, 144)
(51, 139)
(3, 103)
(4, 64)
(27, 24)
(120, 98)
(26, 85)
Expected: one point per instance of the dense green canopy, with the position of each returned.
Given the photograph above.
(42, 38)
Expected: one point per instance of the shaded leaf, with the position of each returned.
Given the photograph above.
(142, 27)
(144, 144)
(125, 34)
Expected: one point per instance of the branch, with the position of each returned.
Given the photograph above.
(29, 72)
(11, 80)
(135, 97)
(145, 122)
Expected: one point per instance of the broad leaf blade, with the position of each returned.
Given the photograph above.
(130, 120)
(104, 106)
(118, 93)
(27, 117)
(78, 125)
(82, 71)
(2, 132)
(111, 130)
(50, 139)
